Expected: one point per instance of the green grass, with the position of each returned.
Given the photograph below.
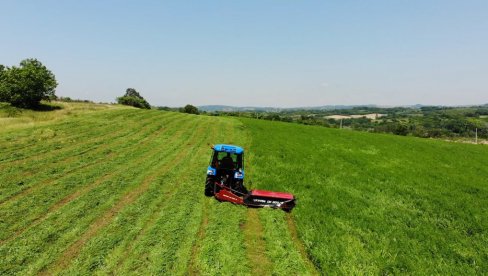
(91, 189)
(379, 204)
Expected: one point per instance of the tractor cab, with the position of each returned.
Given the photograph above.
(226, 166)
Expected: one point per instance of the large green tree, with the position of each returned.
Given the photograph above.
(26, 85)
(190, 109)
(3, 88)
(133, 98)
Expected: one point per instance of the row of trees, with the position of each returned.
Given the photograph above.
(134, 98)
(31, 82)
(435, 122)
(27, 84)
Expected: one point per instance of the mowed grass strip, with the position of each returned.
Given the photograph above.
(21, 178)
(130, 197)
(84, 142)
(18, 175)
(122, 246)
(222, 250)
(280, 245)
(70, 183)
(102, 153)
(55, 136)
(274, 242)
(65, 226)
(378, 204)
(16, 140)
(27, 118)
(33, 218)
(270, 243)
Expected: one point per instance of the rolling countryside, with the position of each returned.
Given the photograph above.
(106, 189)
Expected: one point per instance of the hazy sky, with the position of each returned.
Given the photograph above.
(260, 53)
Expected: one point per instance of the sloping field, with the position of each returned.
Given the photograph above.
(112, 191)
(118, 191)
(377, 204)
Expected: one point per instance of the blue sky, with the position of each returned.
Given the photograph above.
(259, 53)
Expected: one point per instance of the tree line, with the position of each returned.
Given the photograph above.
(426, 122)
(31, 82)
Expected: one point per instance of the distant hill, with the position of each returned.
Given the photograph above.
(213, 108)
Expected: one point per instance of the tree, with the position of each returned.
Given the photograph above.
(133, 98)
(131, 92)
(3, 88)
(190, 109)
(26, 85)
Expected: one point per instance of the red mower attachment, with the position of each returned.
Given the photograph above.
(225, 195)
(255, 198)
(260, 198)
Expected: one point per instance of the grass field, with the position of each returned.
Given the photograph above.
(378, 204)
(111, 190)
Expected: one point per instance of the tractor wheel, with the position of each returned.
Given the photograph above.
(209, 186)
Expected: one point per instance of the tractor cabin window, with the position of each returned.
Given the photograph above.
(221, 160)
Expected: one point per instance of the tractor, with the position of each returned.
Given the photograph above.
(225, 181)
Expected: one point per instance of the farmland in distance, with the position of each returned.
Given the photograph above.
(120, 190)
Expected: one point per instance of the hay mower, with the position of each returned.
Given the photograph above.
(225, 181)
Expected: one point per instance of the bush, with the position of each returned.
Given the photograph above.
(133, 98)
(190, 109)
(133, 101)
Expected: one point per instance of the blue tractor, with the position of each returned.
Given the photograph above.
(226, 167)
(225, 177)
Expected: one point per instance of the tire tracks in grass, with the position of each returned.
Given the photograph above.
(96, 148)
(61, 126)
(44, 153)
(52, 142)
(85, 210)
(85, 189)
(196, 247)
(195, 251)
(256, 244)
(194, 267)
(36, 164)
(24, 137)
(290, 226)
(177, 258)
(314, 270)
(254, 233)
(30, 189)
(73, 250)
(157, 211)
(110, 142)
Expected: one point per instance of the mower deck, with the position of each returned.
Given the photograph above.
(256, 198)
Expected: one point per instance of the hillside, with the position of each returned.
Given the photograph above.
(120, 190)
(375, 203)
